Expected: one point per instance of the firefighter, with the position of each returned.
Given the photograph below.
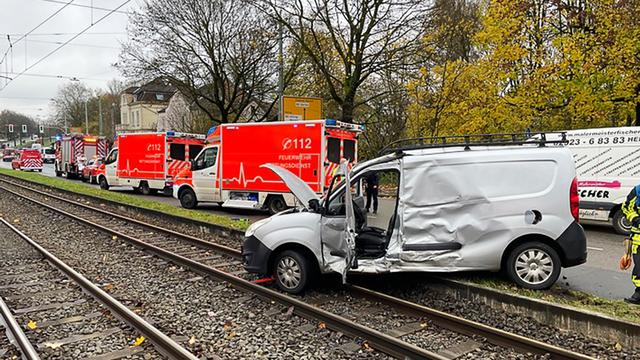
(631, 209)
(372, 191)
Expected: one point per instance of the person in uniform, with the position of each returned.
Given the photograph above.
(630, 208)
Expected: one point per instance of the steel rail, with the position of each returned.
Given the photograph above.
(457, 324)
(376, 339)
(24, 345)
(163, 344)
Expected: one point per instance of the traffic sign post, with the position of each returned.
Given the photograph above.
(41, 128)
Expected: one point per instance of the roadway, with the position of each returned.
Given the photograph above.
(599, 276)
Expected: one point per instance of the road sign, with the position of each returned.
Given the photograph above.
(301, 108)
(24, 128)
(10, 128)
(41, 128)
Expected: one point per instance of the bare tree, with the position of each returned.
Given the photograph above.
(69, 103)
(365, 36)
(221, 54)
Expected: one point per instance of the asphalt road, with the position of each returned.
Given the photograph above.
(599, 276)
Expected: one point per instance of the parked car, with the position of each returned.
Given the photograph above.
(27, 159)
(91, 170)
(8, 155)
(48, 155)
(483, 203)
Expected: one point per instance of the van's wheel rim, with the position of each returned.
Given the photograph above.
(534, 266)
(288, 272)
(624, 224)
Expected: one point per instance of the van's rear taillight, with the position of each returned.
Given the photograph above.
(574, 200)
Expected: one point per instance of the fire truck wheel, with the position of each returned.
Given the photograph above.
(188, 199)
(58, 172)
(276, 204)
(103, 183)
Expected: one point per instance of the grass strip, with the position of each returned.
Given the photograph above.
(559, 295)
(127, 199)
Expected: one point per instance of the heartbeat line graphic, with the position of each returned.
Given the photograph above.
(244, 181)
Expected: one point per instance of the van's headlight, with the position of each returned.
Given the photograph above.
(252, 229)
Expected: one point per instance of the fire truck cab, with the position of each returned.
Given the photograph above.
(229, 171)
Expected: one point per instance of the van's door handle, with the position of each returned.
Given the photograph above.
(211, 173)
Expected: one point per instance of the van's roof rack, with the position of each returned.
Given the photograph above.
(541, 139)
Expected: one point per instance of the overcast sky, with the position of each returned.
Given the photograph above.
(89, 58)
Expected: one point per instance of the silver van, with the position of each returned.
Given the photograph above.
(451, 204)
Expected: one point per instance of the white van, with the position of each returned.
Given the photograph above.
(450, 204)
(608, 166)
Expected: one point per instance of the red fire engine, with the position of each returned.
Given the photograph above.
(148, 161)
(228, 170)
(73, 151)
(28, 159)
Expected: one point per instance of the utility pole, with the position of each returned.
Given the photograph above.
(113, 119)
(280, 72)
(66, 129)
(100, 115)
(86, 117)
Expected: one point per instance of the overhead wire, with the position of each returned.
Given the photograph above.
(87, 6)
(65, 43)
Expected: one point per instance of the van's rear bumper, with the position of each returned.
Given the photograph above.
(573, 242)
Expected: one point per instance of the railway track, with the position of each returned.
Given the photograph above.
(361, 309)
(63, 314)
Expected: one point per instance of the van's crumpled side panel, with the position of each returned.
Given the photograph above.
(474, 206)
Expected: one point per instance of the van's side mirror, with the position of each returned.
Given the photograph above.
(193, 165)
(314, 205)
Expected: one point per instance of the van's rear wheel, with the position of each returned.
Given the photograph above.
(103, 183)
(188, 199)
(291, 271)
(144, 188)
(620, 223)
(276, 204)
(534, 265)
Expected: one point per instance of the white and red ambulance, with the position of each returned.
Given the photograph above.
(229, 169)
(74, 150)
(149, 161)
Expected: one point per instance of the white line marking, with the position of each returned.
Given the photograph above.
(594, 248)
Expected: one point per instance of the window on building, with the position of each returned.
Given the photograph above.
(160, 97)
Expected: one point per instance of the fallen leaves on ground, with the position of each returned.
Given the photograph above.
(32, 325)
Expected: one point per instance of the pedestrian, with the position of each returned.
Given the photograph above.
(372, 191)
(631, 211)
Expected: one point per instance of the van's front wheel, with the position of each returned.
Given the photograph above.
(291, 271)
(104, 185)
(620, 223)
(534, 265)
(188, 199)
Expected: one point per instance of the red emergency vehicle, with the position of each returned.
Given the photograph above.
(28, 159)
(228, 171)
(73, 151)
(149, 161)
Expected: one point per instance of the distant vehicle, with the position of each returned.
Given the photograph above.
(73, 151)
(149, 162)
(229, 170)
(48, 155)
(28, 159)
(607, 162)
(36, 146)
(484, 203)
(8, 155)
(91, 170)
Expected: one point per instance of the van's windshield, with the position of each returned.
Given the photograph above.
(49, 151)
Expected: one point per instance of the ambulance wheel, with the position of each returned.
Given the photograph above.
(103, 183)
(39, 170)
(533, 265)
(292, 271)
(144, 188)
(276, 204)
(188, 199)
(620, 223)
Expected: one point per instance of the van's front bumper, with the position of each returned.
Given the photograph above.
(255, 256)
(573, 242)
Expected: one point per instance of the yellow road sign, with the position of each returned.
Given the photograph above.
(301, 108)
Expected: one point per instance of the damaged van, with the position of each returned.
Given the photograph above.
(488, 202)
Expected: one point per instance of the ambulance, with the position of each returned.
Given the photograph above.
(230, 170)
(74, 150)
(148, 162)
(608, 166)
